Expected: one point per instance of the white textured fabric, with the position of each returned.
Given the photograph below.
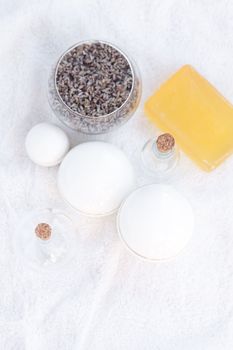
(106, 298)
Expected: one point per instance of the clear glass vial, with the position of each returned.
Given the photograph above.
(90, 124)
(45, 239)
(160, 156)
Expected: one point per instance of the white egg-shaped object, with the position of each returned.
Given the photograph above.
(46, 144)
(95, 177)
(155, 222)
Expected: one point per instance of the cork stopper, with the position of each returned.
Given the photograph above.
(165, 143)
(43, 231)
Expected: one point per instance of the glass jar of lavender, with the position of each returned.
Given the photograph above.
(94, 87)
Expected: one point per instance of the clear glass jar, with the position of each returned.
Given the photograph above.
(90, 124)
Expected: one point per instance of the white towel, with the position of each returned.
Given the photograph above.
(106, 298)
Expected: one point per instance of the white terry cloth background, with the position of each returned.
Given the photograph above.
(106, 298)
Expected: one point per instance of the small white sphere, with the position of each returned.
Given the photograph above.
(95, 177)
(155, 222)
(46, 144)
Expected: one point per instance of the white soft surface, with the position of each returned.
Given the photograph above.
(108, 299)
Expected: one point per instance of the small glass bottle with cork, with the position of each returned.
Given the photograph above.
(45, 239)
(160, 156)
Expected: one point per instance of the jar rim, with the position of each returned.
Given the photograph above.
(91, 41)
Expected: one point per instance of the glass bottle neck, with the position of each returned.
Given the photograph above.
(161, 155)
(44, 242)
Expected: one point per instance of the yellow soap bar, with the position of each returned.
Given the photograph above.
(196, 114)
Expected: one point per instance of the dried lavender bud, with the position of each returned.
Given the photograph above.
(94, 79)
(165, 142)
(43, 231)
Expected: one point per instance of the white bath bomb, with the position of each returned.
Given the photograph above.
(46, 144)
(95, 177)
(156, 222)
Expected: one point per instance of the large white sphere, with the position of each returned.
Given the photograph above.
(95, 177)
(46, 144)
(155, 222)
